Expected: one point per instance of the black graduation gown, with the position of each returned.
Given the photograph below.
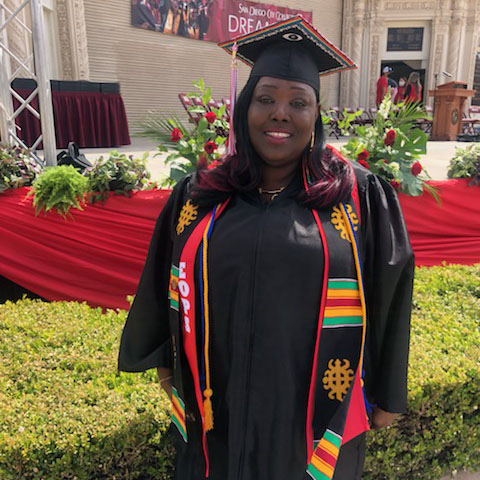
(265, 264)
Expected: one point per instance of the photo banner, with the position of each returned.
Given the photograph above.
(210, 20)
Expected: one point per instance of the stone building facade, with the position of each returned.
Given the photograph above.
(94, 40)
(451, 36)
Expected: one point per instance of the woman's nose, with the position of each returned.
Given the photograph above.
(280, 112)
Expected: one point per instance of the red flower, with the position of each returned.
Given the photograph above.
(390, 138)
(417, 168)
(211, 117)
(210, 147)
(363, 163)
(176, 135)
(363, 155)
(395, 184)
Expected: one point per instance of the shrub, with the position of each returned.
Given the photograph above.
(66, 413)
(118, 174)
(60, 188)
(441, 432)
(17, 168)
(466, 164)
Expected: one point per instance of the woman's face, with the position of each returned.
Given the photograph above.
(281, 119)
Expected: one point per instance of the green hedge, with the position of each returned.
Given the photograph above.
(65, 413)
(442, 432)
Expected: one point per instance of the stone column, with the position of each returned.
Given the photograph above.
(72, 31)
(358, 28)
(457, 25)
(439, 51)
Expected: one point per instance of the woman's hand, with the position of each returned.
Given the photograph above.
(165, 379)
(382, 419)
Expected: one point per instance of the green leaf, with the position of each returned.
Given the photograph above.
(197, 109)
(221, 111)
(177, 174)
(207, 96)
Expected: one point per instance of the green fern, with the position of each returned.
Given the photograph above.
(59, 188)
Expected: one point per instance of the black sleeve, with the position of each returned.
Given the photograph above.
(388, 276)
(146, 340)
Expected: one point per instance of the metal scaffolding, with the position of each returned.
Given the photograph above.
(34, 65)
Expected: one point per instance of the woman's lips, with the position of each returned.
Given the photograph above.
(277, 137)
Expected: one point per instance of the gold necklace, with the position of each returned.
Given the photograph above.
(273, 193)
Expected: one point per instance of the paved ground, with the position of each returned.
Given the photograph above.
(435, 162)
(463, 476)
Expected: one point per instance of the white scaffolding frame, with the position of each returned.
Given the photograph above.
(35, 65)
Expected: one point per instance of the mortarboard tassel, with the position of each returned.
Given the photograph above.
(207, 392)
(233, 97)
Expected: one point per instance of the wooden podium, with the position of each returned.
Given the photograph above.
(448, 110)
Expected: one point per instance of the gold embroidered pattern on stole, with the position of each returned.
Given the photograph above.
(188, 214)
(339, 223)
(337, 378)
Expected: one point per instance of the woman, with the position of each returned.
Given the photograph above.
(273, 262)
(400, 97)
(413, 89)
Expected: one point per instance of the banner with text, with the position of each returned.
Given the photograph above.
(211, 20)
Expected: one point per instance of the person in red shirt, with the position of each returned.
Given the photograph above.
(382, 84)
(413, 90)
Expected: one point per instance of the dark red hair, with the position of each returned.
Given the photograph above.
(331, 176)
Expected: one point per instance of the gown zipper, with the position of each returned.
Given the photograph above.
(251, 335)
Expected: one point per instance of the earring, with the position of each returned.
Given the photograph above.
(312, 141)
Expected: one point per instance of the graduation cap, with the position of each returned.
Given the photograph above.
(291, 50)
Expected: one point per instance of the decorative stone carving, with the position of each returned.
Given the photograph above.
(374, 69)
(437, 63)
(80, 39)
(64, 37)
(72, 31)
(410, 5)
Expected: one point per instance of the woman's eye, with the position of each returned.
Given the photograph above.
(299, 103)
(265, 100)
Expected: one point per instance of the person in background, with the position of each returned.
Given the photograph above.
(413, 89)
(393, 87)
(382, 84)
(401, 90)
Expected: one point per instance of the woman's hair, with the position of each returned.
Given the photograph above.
(331, 177)
(414, 78)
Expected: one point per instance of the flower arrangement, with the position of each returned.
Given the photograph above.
(188, 147)
(466, 164)
(17, 168)
(392, 147)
